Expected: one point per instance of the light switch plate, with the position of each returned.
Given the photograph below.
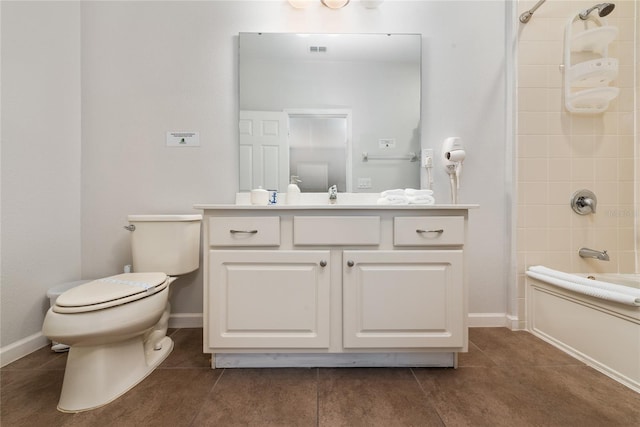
(364, 182)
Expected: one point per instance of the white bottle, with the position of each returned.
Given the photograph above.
(259, 196)
(293, 191)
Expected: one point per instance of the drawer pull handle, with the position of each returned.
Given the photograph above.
(439, 231)
(350, 263)
(323, 263)
(243, 231)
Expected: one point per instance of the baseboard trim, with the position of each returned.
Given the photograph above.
(25, 346)
(185, 320)
(488, 320)
(14, 351)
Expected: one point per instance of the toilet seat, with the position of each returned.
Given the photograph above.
(110, 292)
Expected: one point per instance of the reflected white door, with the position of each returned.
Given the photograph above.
(264, 150)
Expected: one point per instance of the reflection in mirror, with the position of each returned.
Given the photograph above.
(312, 104)
(319, 147)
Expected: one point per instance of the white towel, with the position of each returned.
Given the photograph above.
(592, 291)
(540, 269)
(394, 197)
(414, 192)
(422, 200)
(387, 201)
(396, 192)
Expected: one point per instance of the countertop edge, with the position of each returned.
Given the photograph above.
(218, 206)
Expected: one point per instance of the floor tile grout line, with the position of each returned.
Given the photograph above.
(213, 387)
(426, 396)
(317, 397)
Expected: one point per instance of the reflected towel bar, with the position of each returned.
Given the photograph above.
(412, 157)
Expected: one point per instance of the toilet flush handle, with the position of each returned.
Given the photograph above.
(130, 227)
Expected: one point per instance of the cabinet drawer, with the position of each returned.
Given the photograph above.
(428, 231)
(244, 231)
(336, 230)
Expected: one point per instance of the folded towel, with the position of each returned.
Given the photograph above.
(414, 192)
(422, 200)
(387, 201)
(396, 192)
(395, 197)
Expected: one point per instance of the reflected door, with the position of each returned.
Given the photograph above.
(264, 150)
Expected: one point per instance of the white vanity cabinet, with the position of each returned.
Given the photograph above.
(403, 299)
(268, 299)
(333, 285)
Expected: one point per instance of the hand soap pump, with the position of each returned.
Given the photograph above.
(293, 191)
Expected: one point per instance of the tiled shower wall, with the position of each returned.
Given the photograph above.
(559, 152)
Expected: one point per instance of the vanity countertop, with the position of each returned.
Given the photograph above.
(344, 206)
(320, 201)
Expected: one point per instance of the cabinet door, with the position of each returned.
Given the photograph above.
(269, 299)
(403, 299)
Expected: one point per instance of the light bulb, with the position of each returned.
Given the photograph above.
(335, 4)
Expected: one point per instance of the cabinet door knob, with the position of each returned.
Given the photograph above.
(350, 263)
(323, 263)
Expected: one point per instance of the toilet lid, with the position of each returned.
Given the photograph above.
(110, 291)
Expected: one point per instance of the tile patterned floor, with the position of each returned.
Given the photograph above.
(507, 379)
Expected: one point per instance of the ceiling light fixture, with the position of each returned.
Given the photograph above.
(335, 4)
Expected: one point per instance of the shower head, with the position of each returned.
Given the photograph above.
(603, 10)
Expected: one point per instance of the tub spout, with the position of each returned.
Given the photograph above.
(592, 253)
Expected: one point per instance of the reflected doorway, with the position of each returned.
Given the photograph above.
(320, 148)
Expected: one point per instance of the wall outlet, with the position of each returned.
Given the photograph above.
(387, 143)
(364, 182)
(426, 153)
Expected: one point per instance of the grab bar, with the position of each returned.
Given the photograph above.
(411, 156)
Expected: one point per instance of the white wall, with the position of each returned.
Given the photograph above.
(40, 159)
(152, 67)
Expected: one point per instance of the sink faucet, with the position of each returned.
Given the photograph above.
(333, 193)
(592, 253)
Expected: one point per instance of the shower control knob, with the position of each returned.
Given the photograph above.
(584, 202)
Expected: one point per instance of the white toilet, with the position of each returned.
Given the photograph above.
(116, 326)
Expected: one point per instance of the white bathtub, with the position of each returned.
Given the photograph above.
(566, 311)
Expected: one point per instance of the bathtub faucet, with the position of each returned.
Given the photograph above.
(592, 253)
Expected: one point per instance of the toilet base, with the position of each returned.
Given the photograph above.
(97, 375)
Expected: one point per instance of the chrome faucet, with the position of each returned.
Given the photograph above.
(333, 193)
(592, 253)
(584, 202)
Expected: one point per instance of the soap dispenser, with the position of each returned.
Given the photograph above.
(293, 191)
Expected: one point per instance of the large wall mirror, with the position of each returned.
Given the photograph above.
(331, 109)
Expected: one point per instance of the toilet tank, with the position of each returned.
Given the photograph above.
(165, 243)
